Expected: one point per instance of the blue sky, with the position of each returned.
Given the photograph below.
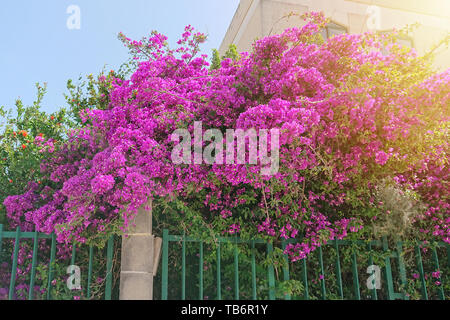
(37, 46)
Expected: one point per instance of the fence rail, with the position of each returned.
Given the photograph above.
(19, 235)
(238, 269)
(392, 276)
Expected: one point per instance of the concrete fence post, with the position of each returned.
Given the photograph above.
(137, 259)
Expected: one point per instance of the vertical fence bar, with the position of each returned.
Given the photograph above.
(421, 272)
(286, 276)
(402, 269)
(322, 270)
(253, 271)
(355, 276)
(219, 272)
(338, 270)
(271, 273)
(305, 278)
(12, 283)
(236, 270)
(374, 290)
(446, 246)
(74, 252)
(50, 267)
(183, 267)
(33, 265)
(165, 264)
(388, 269)
(91, 258)
(436, 265)
(1, 240)
(109, 268)
(200, 291)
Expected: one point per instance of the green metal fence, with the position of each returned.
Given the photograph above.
(234, 268)
(347, 284)
(18, 235)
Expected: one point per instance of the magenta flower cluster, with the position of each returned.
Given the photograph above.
(347, 114)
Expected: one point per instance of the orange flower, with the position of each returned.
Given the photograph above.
(24, 146)
(52, 118)
(24, 133)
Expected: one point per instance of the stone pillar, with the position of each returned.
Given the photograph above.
(136, 275)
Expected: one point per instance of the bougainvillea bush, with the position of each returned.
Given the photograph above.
(356, 114)
(29, 136)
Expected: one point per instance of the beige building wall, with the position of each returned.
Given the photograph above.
(258, 18)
